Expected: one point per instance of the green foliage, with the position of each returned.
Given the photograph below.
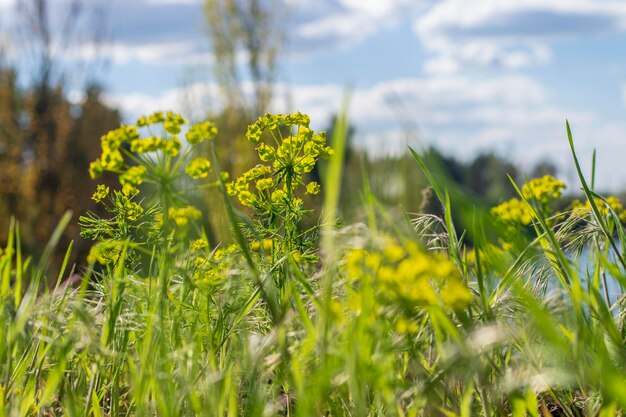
(402, 317)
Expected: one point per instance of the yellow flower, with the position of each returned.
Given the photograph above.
(95, 255)
(246, 198)
(293, 155)
(181, 216)
(513, 211)
(456, 294)
(129, 190)
(101, 192)
(172, 146)
(405, 326)
(173, 122)
(313, 188)
(199, 244)
(265, 245)
(544, 189)
(132, 210)
(150, 144)
(201, 131)
(95, 169)
(111, 160)
(409, 276)
(264, 184)
(133, 175)
(198, 168)
(613, 203)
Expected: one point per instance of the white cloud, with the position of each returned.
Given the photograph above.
(462, 115)
(509, 33)
(160, 2)
(330, 24)
(175, 53)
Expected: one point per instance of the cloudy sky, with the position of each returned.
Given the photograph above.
(467, 76)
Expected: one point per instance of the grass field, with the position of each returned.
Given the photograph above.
(481, 312)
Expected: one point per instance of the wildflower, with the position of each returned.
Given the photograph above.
(409, 276)
(181, 216)
(264, 184)
(201, 131)
(106, 252)
(265, 245)
(288, 160)
(95, 169)
(132, 210)
(543, 190)
(266, 152)
(405, 326)
(209, 277)
(173, 122)
(156, 117)
(456, 294)
(133, 175)
(247, 199)
(150, 144)
(95, 255)
(129, 190)
(513, 211)
(172, 146)
(101, 192)
(312, 188)
(605, 206)
(199, 244)
(111, 160)
(198, 168)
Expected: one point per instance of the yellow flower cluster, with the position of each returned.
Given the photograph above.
(213, 270)
(513, 211)
(199, 244)
(133, 175)
(544, 189)
(182, 215)
(132, 210)
(100, 194)
(198, 168)
(265, 245)
(293, 150)
(172, 122)
(105, 253)
(612, 203)
(201, 131)
(112, 157)
(410, 276)
(145, 145)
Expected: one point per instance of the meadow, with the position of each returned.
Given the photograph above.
(482, 311)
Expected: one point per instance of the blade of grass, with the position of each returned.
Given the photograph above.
(589, 195)
(334, 173)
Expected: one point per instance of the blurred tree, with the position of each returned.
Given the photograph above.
(44, 171)
(543, 168)
(246, 37)
(46, 141)
(487, 176)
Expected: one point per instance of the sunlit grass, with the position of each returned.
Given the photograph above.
(486, 312)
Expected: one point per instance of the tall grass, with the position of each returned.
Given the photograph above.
(459, 316)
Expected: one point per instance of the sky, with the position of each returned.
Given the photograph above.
(466, 76)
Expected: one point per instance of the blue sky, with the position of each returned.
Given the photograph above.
(471, 76)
